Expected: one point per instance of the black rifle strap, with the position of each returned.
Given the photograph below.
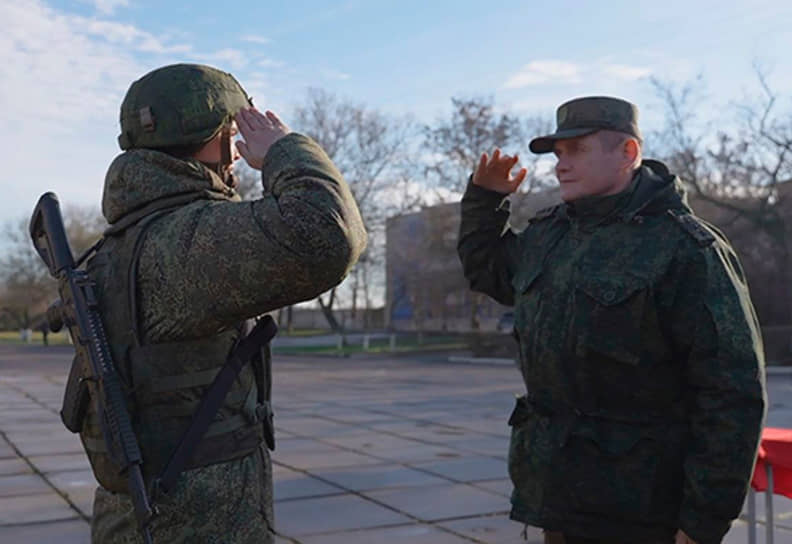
(262, 333)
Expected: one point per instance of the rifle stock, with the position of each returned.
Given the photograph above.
(79, 311)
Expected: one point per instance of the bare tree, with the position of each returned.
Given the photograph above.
(741, 173)
(248, 181)
(27, 287)
(368, 147)
(454, 145)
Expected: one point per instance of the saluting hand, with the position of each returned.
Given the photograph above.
(260, 131)
(495, 173)
(682, 538)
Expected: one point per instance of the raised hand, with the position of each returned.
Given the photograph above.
(260, 131)
(682, 538)
(495, 173)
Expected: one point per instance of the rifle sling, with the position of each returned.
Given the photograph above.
(261, 334)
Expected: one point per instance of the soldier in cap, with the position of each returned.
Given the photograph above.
(639, 347)
(182, 266)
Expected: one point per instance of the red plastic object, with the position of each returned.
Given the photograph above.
(775, 449)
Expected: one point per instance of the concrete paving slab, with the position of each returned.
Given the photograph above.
(23, 484)
(48, 445)
(13, 420)
(418, 452)
(495, 530)
(413, 412)
(6, 451)
(289, 445)
(360, 418)
(73, 479)
(60, 463)
(378, 477)
(62, 532)
(491, 446)
(83, 500)
(34, 508)
(431, 503)
(371, 440)
(738, 534)
(467, 469)
(501, 487)
(33, 429)
(316, 428)
(414, 534)
(13, 465)
(307, 460)
(290, 484)
(409, 427)
(328, 514)
(782, 509)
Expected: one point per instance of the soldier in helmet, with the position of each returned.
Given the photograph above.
(639, 347)
(183, 265)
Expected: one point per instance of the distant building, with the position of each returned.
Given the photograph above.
(425, 287)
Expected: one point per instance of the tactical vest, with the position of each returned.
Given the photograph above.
(165, 382)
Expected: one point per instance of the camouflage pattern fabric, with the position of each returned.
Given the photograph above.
(224, 503)
(218, 261)
(178, 105)
(641, 356)
(204, 267)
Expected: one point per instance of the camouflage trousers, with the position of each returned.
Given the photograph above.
(224, 503)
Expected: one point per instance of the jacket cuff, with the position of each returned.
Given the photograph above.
(703, 529)
(477, 193)
(289, 151)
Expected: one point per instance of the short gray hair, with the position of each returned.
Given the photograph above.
(612, 139)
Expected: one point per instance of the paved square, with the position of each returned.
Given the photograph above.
(369, 451)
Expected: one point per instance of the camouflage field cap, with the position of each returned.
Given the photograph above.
(587, 115)
(179, 105)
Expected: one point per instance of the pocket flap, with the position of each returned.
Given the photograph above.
(610, 291)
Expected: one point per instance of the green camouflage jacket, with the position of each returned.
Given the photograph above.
(220, 260)
(205, 265)
(641, 355)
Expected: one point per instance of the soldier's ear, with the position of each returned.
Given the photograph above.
(631, 151)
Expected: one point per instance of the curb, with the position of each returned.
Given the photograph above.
(779, 370)
(482, 360)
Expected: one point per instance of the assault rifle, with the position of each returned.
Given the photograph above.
(78, 310)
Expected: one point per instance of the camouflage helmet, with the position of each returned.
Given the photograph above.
(179, 105)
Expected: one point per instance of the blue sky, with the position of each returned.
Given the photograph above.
(67, 63)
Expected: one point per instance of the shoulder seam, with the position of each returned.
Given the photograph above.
(694, 227)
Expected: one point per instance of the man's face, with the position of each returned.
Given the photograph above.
(212, 152)
(586, 168)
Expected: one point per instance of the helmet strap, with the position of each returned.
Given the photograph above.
(226, 173)
(222, 168)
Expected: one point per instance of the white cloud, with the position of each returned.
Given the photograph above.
(252, 38)
(107, 7)
(269, 63)
(544, 71)
(330, 73)
(125, 34)
(233, 58)
(64, 78)
(62, 69)
(625, 72)
(556, 72)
